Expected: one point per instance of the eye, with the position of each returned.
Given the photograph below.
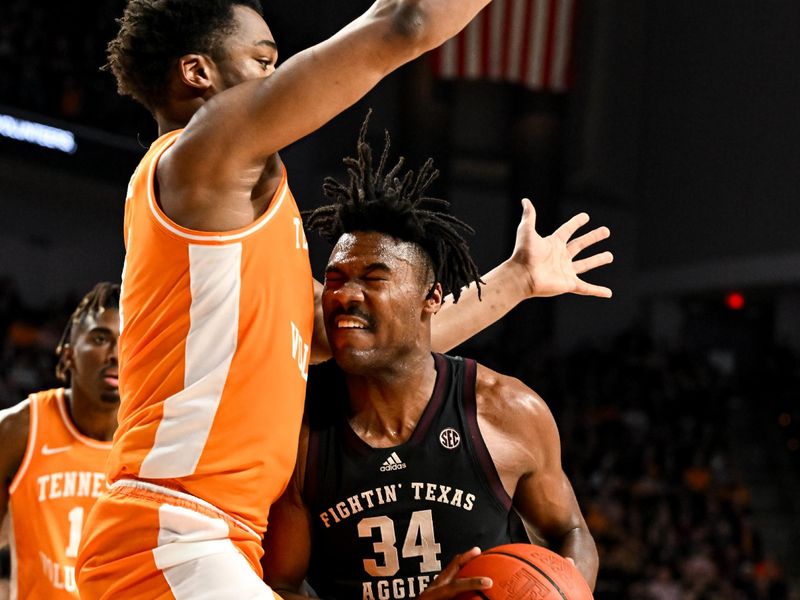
(265, 63)
(99, 338)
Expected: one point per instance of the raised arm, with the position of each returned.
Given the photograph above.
(523, 440)
(538, 267)
(234, 133)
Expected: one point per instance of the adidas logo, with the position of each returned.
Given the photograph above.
(393, 463)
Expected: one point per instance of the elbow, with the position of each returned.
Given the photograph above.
(410, 25)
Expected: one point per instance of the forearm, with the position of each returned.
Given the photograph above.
(504, 287)
(579, 545)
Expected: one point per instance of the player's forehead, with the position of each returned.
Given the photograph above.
(360, 248)
(251, 29)
(104, 318)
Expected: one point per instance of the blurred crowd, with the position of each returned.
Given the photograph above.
(645, 434)
(51, 54)
(28, 338)
(646, 437)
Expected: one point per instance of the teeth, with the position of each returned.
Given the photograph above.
(345, 324)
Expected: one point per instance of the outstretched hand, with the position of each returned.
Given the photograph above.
(550, 263)
(447, 586)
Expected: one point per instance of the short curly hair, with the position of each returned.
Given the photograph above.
(153, 34)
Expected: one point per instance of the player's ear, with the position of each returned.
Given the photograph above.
(433, 301)
(196, 72)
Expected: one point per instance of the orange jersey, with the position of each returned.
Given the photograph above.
(214, 351)
(57, 483)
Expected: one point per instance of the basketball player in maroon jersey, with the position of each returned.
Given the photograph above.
(416, 457)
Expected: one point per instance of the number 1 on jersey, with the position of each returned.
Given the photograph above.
(75, 517)
(420, 528)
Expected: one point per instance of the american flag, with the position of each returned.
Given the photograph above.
(528, 42)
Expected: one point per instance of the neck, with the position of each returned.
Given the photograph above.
(95, 419)
(176, 115)
(386, 406)
(166, 124)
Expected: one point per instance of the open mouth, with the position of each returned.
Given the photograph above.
(350, 322)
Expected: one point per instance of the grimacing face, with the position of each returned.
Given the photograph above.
(375, 301)
(92, 359)
(249, 52)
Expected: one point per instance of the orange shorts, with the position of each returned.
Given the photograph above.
(144, 541)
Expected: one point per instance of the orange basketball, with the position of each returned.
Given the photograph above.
(525, 572)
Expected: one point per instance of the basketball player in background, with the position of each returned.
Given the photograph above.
(420, 457)
(54, 451)
(218, 299)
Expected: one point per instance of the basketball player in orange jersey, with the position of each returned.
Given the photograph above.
(415, 459)
(218, 302)
(54, 451)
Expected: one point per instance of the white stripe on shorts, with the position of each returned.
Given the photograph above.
(200, 562)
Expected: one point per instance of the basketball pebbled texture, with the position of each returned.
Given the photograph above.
(525, 572)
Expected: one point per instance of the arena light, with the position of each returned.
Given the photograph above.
(38, 134)
(735, 301)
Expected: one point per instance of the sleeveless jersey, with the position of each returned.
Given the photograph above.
(387, 521)
(57, 483)
(213, 351)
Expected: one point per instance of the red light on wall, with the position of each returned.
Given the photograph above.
(734, 301)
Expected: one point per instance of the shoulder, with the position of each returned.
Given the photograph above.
(514, 418)
(14, 426)
(507, 399)
(15, 421)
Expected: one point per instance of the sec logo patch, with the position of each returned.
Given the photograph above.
(449, 438)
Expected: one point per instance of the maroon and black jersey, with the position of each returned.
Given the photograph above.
(386, 521)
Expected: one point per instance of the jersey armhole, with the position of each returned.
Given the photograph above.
(165, 225)
(491, 477)
(33, 420)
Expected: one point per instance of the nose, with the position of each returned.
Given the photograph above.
(348, 293)
(113, 350)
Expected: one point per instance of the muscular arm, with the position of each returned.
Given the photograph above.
(455, 323)
(523, 440)
(14, 433)
(231, 137)
(538, 267)
(287, 543)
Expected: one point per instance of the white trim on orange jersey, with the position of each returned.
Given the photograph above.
(13, 580)
(200, 236)
(188, 415)
(61, 400)
(169, 492)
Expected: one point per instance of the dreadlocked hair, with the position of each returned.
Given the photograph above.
(383, 201)
(104, 295)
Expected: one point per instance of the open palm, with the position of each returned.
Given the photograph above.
(550, 261)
